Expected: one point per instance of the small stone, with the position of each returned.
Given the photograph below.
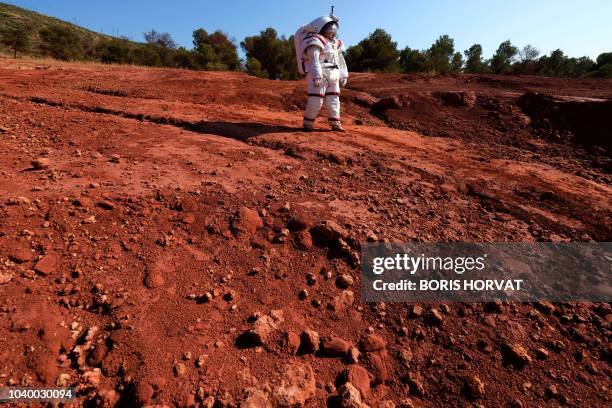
(406, 356)
(373, 342)
(359, 377)
(297, 385)
(354, 354)
(416, 311)
(246, 220)
(542, 353)
(180, 370)
(115, 158)
(310, 341)
(435, 317)
(350, 397)
(105, 204)
(343, 301)
(515, 355)
(5, 277)
(154, 279)
(335, 347)
(40, 163)
(311, 279)
(263, 327)
(344, 281)
(415, 385)
(292, 342)
(47, 264)
(327, 232)
(474, 387)
(89, 220)
(187, 355)
(303, 294)
(201, 360)
(302, 240)
(22, 255)
(63, 380)
(91, 378)
(551, 391)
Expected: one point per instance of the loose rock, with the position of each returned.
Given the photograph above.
(310, 341)
(47, 264)
(474, 387)
(297, 385)
(335, 347)
(515, 355)
(41, 163)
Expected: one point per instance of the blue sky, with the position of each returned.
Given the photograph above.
(578, 28)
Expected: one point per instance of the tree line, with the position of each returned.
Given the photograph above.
(272, 56)
(379, 53)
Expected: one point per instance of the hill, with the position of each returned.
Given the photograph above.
(13, 16)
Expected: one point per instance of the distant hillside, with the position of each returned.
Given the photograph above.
(46, 36)
(12, 16)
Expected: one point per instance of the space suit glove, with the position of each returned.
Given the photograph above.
(343, 81)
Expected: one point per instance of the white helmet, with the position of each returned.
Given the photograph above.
(315, 26)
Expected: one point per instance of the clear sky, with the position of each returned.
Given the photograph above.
(577, 27)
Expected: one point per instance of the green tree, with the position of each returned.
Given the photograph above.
(184, 58)
(503, 57)
(215, 51)
(557, 64)
(376, 53)
(61, 42)
(440, 54)
(456, 63)
(603, 68)
(474, 63)
(114, 51)
(16, 38)
(413, 61)
(275, 55)
(253, 67)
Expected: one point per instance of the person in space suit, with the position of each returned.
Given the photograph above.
(325, 68)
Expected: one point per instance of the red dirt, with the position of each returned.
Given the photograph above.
(138, 269)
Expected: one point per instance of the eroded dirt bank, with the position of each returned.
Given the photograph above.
(173, 237)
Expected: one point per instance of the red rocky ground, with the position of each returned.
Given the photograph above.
(172, 238)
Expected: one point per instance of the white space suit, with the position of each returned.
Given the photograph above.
(323, 62)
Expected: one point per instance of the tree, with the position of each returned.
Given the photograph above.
(162, 39)
(440, 54)
(603, 69)
(528, 53)
(503, 58)
(376, 53)
(527, 63)
(456, 63)
(114, 51)
(17, 39)
(268, 54)
(253, 67)
(474, 62)
(184, 58)
(557, 64)
(215, 51)
(412, 60)
(61, 42)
